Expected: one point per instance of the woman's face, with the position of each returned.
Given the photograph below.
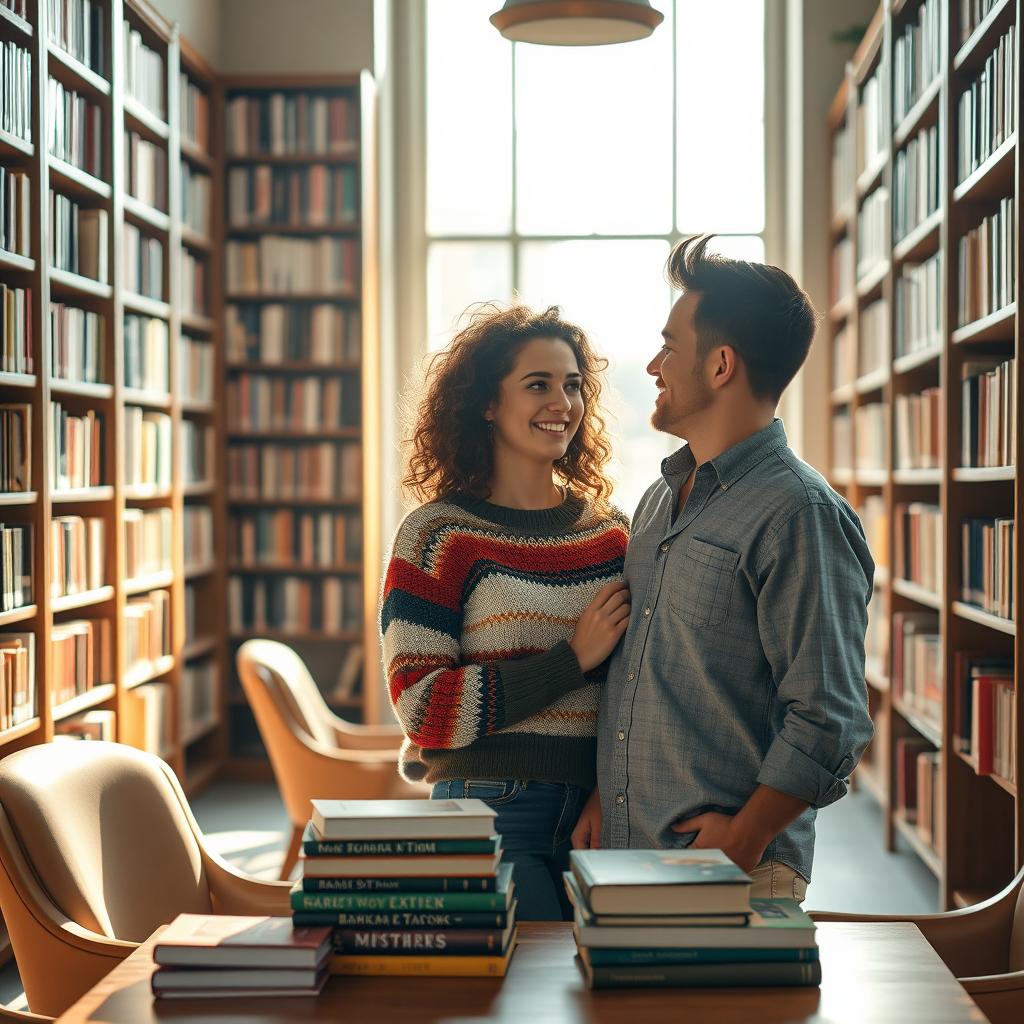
(540, 402)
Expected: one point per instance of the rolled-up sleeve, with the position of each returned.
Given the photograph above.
(816, 576)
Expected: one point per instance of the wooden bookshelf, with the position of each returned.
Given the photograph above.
(324, 650)
(977, 842)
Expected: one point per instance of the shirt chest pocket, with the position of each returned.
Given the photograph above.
(700, 581)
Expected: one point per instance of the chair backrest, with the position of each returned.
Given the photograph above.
(106, 832)
(1016, 957)
(282, 672)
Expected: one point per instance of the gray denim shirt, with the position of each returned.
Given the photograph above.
(743, 663)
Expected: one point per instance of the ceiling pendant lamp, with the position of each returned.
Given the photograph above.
(576, 22)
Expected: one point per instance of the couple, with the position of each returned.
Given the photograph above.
(703, 688)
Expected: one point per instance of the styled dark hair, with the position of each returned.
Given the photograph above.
(758, 309)
(451, 446)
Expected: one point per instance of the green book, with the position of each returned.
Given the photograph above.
(314, 845)
(703, 975)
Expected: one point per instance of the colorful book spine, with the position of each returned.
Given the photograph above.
(397, 848)
(398, 901)
(430, 965)
(383, 942)
(430, 884)
(706, 975)
(401, 919)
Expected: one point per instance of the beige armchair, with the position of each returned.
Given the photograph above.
(314, 753)
(982, 945)
(98, 847)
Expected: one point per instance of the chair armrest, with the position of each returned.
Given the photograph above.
(232, 892)
(989, 983)
(6, 1013)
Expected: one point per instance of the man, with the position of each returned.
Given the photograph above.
(736, 705)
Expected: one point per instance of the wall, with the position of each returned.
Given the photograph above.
(200, 24)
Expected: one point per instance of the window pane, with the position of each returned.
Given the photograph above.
(720, 155)
(594, 137)
(616, 291)
(460, 274)
(469, 120)
(739, 247)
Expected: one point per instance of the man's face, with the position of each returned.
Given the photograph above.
(683, 391)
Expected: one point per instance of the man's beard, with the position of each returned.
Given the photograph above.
(669, 418)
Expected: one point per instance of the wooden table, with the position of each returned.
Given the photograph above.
(873, 973)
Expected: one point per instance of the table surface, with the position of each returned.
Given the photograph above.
(872, 973)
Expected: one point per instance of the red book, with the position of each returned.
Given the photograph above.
(982, 722)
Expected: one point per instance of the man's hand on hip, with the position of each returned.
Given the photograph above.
(721, 832)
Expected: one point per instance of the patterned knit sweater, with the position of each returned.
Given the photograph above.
(479, 605)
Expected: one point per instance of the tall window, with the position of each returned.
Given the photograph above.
(563, 175)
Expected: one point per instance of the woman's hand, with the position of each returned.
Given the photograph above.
(601, 625)
(587, 833)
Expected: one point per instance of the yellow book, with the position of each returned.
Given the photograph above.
(429, 966)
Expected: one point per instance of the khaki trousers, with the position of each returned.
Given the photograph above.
(775, 880)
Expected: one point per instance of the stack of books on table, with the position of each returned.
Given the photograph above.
(408, 887)
(652, 918)
(217, 955)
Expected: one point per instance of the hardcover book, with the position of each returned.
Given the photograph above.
(478, 865)
(225, 981)
(403, 919)
(403, 819)
(379, 941)
(463, 883)
(436, 966)
(314, 845)
(682, 881)
(702, 975)
(213, 940)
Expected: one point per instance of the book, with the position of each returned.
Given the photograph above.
(447, 941)
(403, 819)
(702, 975)
(481, 865)
(315, 845)
(437, 966)
(774, 924)
(696, 955)
(403, 919)
(660, 881)
(477, 883)
(208, 940)
(245, 980)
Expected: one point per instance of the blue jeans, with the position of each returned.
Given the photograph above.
(535, 821)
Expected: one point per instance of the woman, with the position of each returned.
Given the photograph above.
(503, 597)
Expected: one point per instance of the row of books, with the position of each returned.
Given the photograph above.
(916, 57)
(297, 124)
(145, 170)
(872, 125)
(842, 269)
(843, 172)
(301, 539)
(873, 338)
(293, 265)
(195, 369)
(984, 713)
(987, 109)
(17, 679)
(76, 26)
(143, 71)
(155, 707)
(318, 471)
(918, 430)
(94, 724)
(193, 284)
(842, 439)
(15, 565)
(196, 193)
(292, 604)
(876, 637)
(917, 674)
(324, 334)
(76, 448)
(875, 519)
(15, 212)
(870, 436)
(75, 129)
(873, 232)
(81, 655)
(918, 317)
(986, 553)
(146, 353)
(317, 194)
(844, 356)
(15, 90)
(200, 687)
(147, 541)
(972, 14)
(193, 112)
(989, 389)
(197, 452)
(16, 330)
(147, 628)
(300, 403)
(76, 343)
(147, 447)
(143, 263)
(918, 788)
(77, 554)
(18, 7)
(78, 238)
(15, 448)
(917, 539)
(986, 265)
(916, 185)
(197, 525)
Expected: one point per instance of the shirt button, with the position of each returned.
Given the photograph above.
(647, 611)
(622, 735)
(631, 676)
(620, 798)
(664, 547)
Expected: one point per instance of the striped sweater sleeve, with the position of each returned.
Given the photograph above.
(442, 702)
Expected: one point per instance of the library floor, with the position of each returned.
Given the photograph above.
(246, 824)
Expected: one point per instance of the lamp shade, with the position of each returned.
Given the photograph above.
(576, 22)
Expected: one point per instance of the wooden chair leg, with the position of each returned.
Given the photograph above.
(292, 856)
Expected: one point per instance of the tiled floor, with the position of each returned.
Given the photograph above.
(246, 824)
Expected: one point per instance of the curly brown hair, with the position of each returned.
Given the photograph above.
(451, 448)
